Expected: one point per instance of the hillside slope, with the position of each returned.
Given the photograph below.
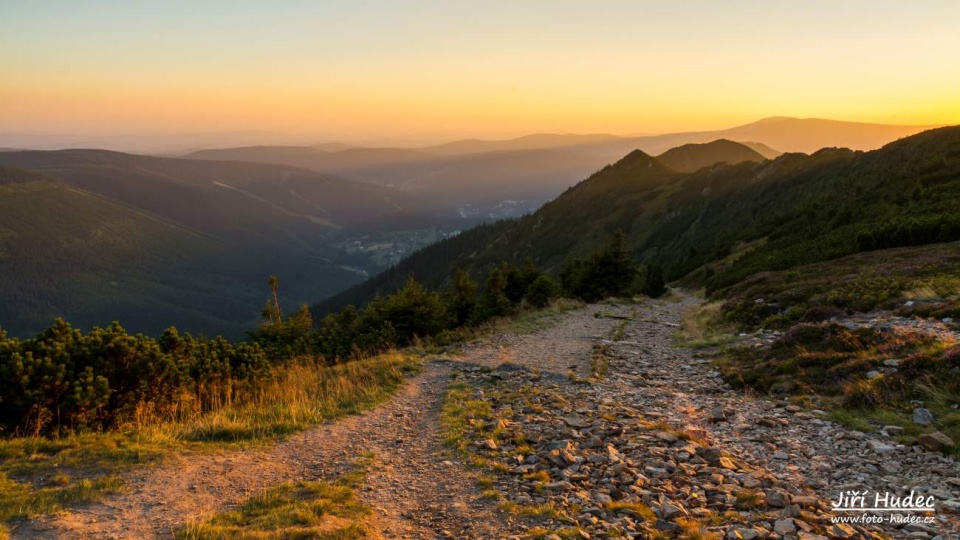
(67, 253)
(98, 236)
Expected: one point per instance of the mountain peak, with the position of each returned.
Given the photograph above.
(693, 157)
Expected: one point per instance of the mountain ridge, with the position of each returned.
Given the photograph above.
(792, 210)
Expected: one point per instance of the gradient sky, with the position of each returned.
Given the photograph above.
(364, 68)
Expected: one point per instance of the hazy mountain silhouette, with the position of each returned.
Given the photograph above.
(539, 141)
(445, 184)
(762, 149)
(476, 177)
(786, 134)
(334, 162)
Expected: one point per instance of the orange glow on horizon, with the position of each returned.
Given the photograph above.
(447, 70)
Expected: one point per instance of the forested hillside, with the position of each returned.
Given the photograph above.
(97, 236)
(66, 252)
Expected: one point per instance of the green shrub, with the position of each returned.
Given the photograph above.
(542, 291)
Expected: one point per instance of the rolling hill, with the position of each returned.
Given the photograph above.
(95, 236)
(347, 160)
(770, 215)
(65, 252)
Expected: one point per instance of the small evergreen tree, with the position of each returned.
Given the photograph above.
(415, 311)
(653, 284)
(462, 301)
(271, 311)
(493, 302)
(607, 272)
(542, 291)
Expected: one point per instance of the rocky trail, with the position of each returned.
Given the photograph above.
(661, 445)
(654, 444)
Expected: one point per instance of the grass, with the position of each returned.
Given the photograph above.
(484, 481)
(747, 499)
(321, 510)
(530, 322)
(461, 414)
(616, 334)
(861, 282)
(303, 396)
(694, 530)
(564, 532)
(19, 500)
(39, 475)
(703, 326)
(937, 398)
(491, 495)
(638, 510)
(830, 361)
(548, 510)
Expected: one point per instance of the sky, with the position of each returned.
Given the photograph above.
(451, 68)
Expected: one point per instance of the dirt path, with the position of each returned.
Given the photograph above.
(557, 350)
(409, 485)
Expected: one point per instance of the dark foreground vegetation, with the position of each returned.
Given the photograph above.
(871, 337)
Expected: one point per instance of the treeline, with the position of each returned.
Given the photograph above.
(912, 231)
(64, 379)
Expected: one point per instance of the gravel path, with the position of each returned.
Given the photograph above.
(663, 431)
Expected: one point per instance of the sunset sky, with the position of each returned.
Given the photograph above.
(450, 68)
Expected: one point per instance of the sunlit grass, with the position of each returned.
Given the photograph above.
(321, 510)
(40, 475)
(459, 411)
(704, 326)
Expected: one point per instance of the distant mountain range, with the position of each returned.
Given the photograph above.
(476, 177)
(95, 235)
